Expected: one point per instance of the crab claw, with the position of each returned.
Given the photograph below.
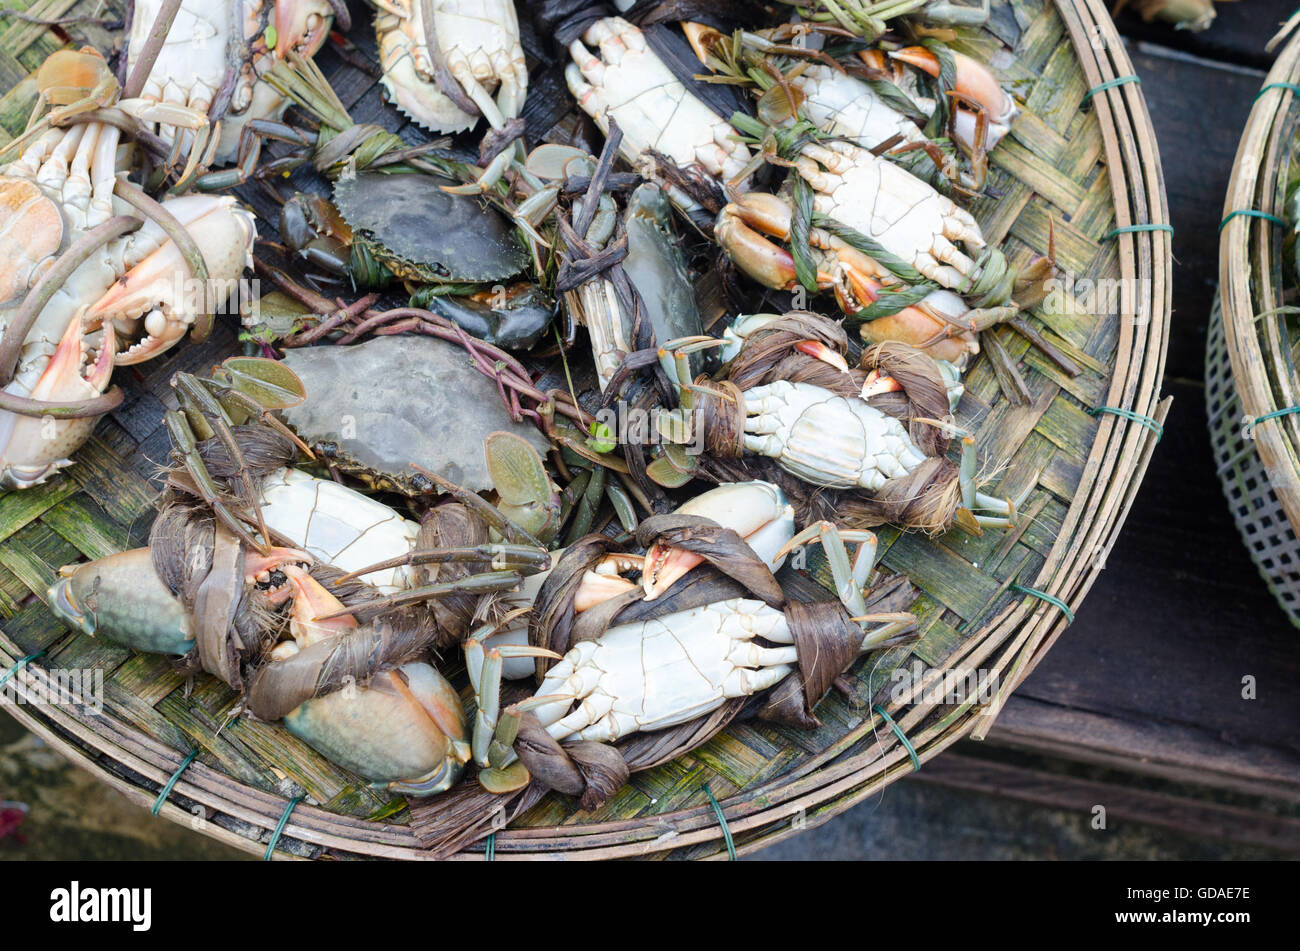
(310, 601)
(33, 447)
(702, 38)
(975, 83)
(938, 325)
(757, 511)
(815, 348)
(875, 383)
(156, 295)
(300, 26)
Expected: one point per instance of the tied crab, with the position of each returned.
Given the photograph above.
(630, 85)
(902, 258)
(682, 667)
(223, 599)
(210, 65)
(442, 60)
(93, 262)
(870, 98)
(879, 431)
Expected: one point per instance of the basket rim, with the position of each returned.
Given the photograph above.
(860, 763)
(1245, 242)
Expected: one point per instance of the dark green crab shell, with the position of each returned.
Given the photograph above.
(376, 407)
(425, 235)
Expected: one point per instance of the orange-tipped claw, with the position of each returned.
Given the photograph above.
(815, 348)
(664, 567)
(875, 383)
(701, 38)
(310, 601)
(973, 81)
(596, 587)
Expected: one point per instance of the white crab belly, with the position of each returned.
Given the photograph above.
(338, 526)
(886, 203)
(663, 672)
(844, 105)
(829, 440)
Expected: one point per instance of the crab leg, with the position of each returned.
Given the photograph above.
(484, 668)
(850, 578)
(525, 559)
(178, 428)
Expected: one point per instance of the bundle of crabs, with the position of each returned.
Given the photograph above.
(385, 589)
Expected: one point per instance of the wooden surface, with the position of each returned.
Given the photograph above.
(1150, 677)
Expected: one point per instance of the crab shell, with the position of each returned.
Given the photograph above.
(381, 405)
(391, 216)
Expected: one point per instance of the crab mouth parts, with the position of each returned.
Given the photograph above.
(266, 574)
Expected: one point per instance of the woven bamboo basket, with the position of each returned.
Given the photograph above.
(1081, 164)
(1251, 382)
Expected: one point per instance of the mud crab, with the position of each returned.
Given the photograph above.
(211, 61)
(658, 670)
(628, 83)
(93, 261)
(442, 59)
(870, 98)
(881, 429)
(379, 406)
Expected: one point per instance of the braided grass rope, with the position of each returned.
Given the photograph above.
(1089, 173)
(1252, 388)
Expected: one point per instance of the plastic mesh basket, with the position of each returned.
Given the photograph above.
(1246, 482)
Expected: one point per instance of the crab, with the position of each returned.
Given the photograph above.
(830, 435)
(93, 262)
(629, 84)
(901, 213)
(211, 64)
(654, 674)
(443, 58)
(941, 323)
(378, 406)
(757, 511)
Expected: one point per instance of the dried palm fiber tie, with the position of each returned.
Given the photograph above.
(926, 499)
(171, 783)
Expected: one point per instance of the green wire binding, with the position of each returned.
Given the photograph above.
(279, 828)
(171, 783)
(902, 737)
(1110, 84)
(1049, 598)
(722, 821)
(1128, 414)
